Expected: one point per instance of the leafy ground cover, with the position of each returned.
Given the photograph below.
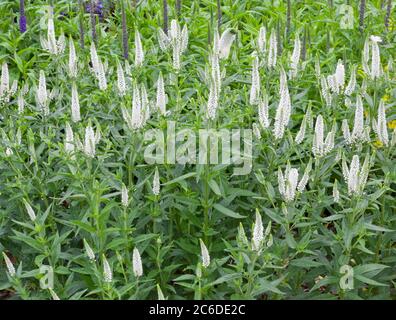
(84, 215)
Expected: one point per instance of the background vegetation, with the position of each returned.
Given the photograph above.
(76, 197)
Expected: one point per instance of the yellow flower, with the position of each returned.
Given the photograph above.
(391, 25)
(378, 144)
(392, 124)
(386, 98)
(366, 114)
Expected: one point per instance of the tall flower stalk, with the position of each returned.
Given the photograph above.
(124, 31)
(51, 44)
(362, 10)
(93, 21)
(81, 23)
(283, 111)
(22, 16)
(165, 12)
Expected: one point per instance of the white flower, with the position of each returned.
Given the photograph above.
(101, 76)
(42, 95)
(30, 211)
(365, 56)
(94, 58)
(139, 54)
(215, 72)
(318, 144)
(51, 44)
(263, 111)
(21, 103)
(121, 84)
(358, 130)
(273, 50)
(325, 90)
(364, 172)
(140, 109)
(255, 88)
(156, 182)
(353, 176)
(329, 141)
(107, 273)
(174, 31)
(14, 87)
(75, 104)
(98, 68)
(137, 117)
(161, 95)
(137, 263)
(69, 139)
(89, 251)
(304, 180)
(288, 183)
(72, 59)
(346, 132)
(279, 129)
(204, 255)
(52, 47)
(291, 184)
(301, 133)
(375, 57)
(295, 57)
(163, 40)
(262, 40)
(380, 126)
(212, 101)
(258, 233)
(10, 266)
(61, 44)
(225, 42)
(284, 107)
(375, 39)
(5, 80)
(336, 193)
(90, 141)
(177, 40)
(352, 82)
(339, 75)
(8, 152)
(124, 196)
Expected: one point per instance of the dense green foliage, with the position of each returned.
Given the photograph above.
(76, 197)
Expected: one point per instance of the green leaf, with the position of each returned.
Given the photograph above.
(215, 187)
(369, 281)
(227, 212)
(305, 263)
